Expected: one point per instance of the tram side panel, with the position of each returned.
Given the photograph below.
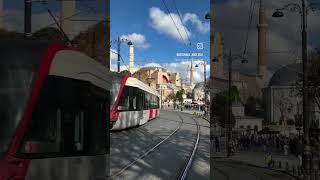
(135, 107)
(62, 132)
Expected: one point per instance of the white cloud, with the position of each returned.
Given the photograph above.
(163, 23)
(152, 65)
(113, 54)
(183, 68)
(194, 19)
(138, 40)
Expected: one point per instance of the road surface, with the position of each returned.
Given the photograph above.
(134, 155)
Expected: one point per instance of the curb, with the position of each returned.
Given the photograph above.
(262, 167)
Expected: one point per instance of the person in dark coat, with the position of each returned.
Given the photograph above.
(217, 144)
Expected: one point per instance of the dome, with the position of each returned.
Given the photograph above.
(286, 76)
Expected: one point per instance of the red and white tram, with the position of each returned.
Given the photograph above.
(54, 113)
(133, 103)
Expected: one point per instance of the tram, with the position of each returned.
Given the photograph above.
(54, 113)
(133, 103)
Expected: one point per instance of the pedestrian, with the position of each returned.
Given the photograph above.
(277, 142)
(286, 149)
(217, 144)
(268, 159)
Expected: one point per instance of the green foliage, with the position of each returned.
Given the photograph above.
(189, 95)
(221, 106)
(312, 76)
(250, 106)
(179, 95)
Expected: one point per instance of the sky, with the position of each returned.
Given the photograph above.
(13, 14)
(157, 38)
(283, 34)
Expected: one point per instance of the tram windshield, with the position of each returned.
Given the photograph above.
(116, 84)
(18, 65)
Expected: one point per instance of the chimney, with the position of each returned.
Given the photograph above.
(131, 58)
(262, 26)
(67, 11)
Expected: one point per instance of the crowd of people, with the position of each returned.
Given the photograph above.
(272, 144)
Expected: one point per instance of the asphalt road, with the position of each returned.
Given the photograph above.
(233, 170)
(168, 160)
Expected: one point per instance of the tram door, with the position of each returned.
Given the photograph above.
(68, 132)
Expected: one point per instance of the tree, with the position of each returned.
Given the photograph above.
(313, 75)
(179, 95)
(221, 106)
(189, 95)
(250, 106)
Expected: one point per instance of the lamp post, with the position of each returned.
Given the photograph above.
(205, 85)
(303, 11)
(228, 127)
(119, 41)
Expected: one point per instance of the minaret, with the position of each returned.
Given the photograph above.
(262, 27)
(67, 11)
(218, 66)
(131, 58)
(191, 74)
(1, 15)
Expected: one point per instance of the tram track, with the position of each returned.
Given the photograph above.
(187, 167)
(190, 158)
(147, 152)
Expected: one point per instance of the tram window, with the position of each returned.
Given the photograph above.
(124, 100)
(147, 104)
(157, 102)
(133, 93)
(141, 99)
(67, 121)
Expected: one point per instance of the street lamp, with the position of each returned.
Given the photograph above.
(205, 85)
(303, 11)
(231, 57)
(119, 41)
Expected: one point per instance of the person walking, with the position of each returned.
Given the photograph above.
(217, 144)
(286, 148)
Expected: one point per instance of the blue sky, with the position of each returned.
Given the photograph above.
(128, 17)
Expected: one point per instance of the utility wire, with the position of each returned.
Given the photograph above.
(120, 58)
(251, 11)
(180, 17)
(163, 1)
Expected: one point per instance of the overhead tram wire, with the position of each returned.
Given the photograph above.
(251, 11)
(168, 10)
(180, 17)
(121, 59)
(66, 18)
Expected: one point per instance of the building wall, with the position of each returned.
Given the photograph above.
(245, 123)
(284, 101)
(238, 111)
